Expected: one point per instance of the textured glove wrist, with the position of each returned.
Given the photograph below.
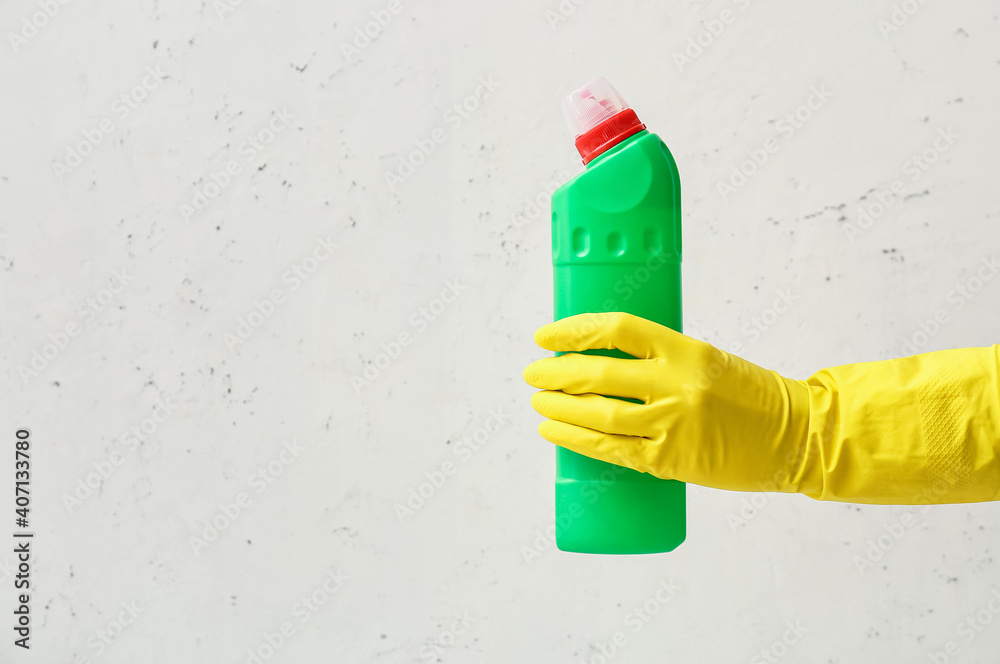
(913, 430)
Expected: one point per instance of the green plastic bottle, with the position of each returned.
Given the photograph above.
(616, 246)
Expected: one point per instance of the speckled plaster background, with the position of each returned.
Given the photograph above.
(262, 276)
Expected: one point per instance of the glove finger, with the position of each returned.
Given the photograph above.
(574, 373)
(592, 411)
(636, 336)
(619, 450)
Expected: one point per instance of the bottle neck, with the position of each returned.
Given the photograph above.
(607, 134)
(617, 147)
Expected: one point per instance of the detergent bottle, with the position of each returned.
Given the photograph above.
(616, 246)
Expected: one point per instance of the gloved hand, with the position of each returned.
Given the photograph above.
(915, 430)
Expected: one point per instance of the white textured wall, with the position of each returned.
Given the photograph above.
(191, 278)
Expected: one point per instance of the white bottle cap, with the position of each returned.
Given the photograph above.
(591, 105)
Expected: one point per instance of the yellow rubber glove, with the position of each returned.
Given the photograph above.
(915, 430)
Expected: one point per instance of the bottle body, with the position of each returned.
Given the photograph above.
(616, 246)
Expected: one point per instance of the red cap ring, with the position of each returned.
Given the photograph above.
(608, 134)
